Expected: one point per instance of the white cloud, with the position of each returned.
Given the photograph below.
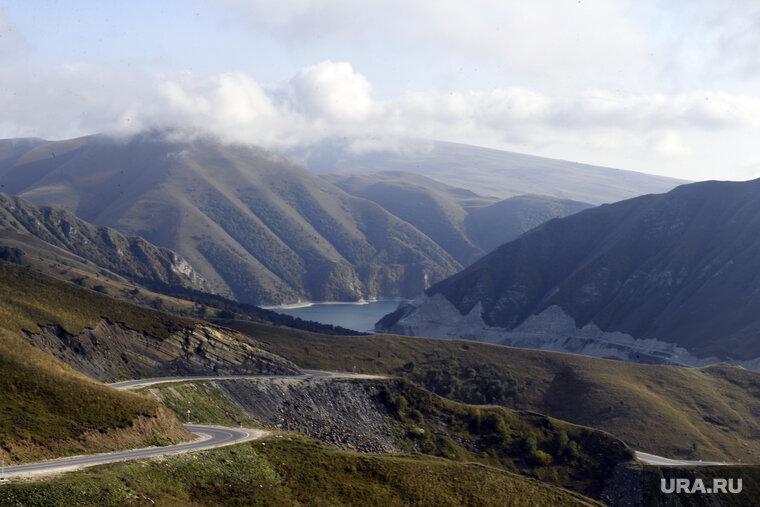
(69, 100)
(333, 92)
(651, 132)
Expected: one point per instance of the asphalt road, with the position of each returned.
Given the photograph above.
(220, 436)
(128, 384)
(652, 459)
(643, 457)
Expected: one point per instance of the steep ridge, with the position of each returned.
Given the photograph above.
(463, 223)
(659, 278)
(254, 225)
(57, 235)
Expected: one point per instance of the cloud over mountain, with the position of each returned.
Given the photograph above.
(332, 99)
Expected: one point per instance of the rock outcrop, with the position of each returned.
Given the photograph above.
(111, 351)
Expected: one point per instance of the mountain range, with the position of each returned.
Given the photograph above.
(658, 278)
(462, 222)
(255, 226)
(252, 226)
(485, 171)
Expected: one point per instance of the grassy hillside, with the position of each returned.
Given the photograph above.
(176, 300)
(46, 408)
(701, 413)
(414, 420)
(291, 471)
(110, 339)
(29, 299)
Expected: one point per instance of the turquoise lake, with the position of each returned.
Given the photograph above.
(360, 317)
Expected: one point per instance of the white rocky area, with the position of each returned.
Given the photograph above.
(553, 329)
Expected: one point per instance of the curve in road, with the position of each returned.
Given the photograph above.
(219, 436)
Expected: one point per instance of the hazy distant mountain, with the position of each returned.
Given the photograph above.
(59, 236)
(13, 149)
(254, 225)
(494, 225)
(463, 223)
(485, 171)
(672, 277)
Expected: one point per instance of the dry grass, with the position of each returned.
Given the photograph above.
(46, 408)
(292, 471)
(699, 413)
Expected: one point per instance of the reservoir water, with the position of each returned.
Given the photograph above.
(356, 316)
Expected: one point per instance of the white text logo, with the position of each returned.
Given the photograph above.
(698, 486)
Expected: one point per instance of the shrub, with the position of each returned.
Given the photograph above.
(573, 450)
(540, 458)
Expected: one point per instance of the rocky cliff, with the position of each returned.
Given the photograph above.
(111, 351)
(55, 234)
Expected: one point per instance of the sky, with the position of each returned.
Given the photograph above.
(669, 87)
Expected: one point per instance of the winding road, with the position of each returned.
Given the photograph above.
(211, 436)
(217, 436)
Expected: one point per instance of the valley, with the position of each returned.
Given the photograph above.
(328, 253)
(171, 334)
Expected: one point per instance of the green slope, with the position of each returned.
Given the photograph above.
(46, 408)
(292, 471)
(697, 413)
(413, 420)
(109, 339)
